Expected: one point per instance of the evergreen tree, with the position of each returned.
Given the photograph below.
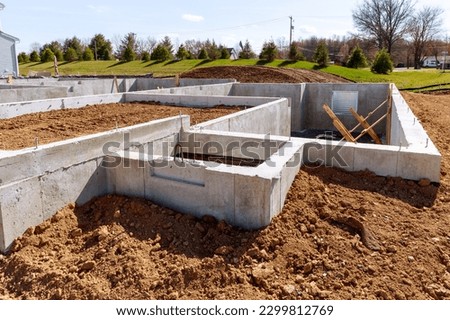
(47, 55)
(88, 55)
(34, 56)
(321, 55)
(383, 63)
(357, 59)
(246, 51)
(294, 53)
(269, 51)
(160, 53)
(101, 47)
(203, 55)
(224, 53)
(71, 55)
(128, 47)
(23, 58)
(182, 53)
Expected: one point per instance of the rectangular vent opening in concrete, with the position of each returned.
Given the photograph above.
(342, 101)
(228, 160)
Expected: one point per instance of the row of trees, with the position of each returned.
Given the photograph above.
(405, 34)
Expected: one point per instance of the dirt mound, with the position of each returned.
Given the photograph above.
(260, 74)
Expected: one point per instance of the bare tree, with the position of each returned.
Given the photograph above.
(425, 26)
(385, 20)
(150, 44)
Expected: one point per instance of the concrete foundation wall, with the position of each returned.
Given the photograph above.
(250, 146)
(196, 101)
(35, 183)
(50, 88)
(14, 94)
(369, 97)
(269, 118)
(10, 110)
(164, 83)
(393, 161)
(29, 202)
(293, 92)
(244, 197)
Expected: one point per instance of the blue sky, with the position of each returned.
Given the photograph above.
(228, 22)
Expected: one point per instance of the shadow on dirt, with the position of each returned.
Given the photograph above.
(173, 232)
(393, 187)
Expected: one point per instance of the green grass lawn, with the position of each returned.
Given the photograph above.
(403, 79)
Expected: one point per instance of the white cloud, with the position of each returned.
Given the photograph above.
(192, 17)
(305, 29)
(98, 9)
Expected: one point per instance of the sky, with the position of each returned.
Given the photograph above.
(226, 21)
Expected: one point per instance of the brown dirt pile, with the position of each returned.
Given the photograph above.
(262, 74)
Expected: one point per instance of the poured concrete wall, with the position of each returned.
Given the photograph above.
(10, 110)
(293, 92)
(35, 183)
(369, 97)
(242, 196)
(270, 118)
(49, 88)
(15, 94)
(392, 161)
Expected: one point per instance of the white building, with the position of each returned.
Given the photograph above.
(8, 53)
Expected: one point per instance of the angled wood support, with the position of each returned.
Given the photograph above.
(366, 126)
(338, 124)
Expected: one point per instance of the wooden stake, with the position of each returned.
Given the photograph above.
(389, 117)
(338, 124)
(366, 126)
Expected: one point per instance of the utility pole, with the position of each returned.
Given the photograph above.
(291, 30)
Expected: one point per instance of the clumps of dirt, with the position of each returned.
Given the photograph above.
(124, 248)
(261, 74)
(22, 131)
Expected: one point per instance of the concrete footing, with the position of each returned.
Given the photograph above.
(158, 160)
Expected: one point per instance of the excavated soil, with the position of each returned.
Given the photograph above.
(123, 248)
(262, 74)
(22, 131)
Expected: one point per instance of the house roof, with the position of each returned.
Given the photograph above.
(8, 36)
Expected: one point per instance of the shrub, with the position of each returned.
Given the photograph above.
(294, 54)
(224, 53)
(203, 54)
(182, 53)
(129, 54)
(269, 51)
(357, 59)
(71, 55)
(88, 55)
(383, 63)
(47, 55)
(23, 58)
(145, 56)
(321, 55)
(34, 57)
(160, 53)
